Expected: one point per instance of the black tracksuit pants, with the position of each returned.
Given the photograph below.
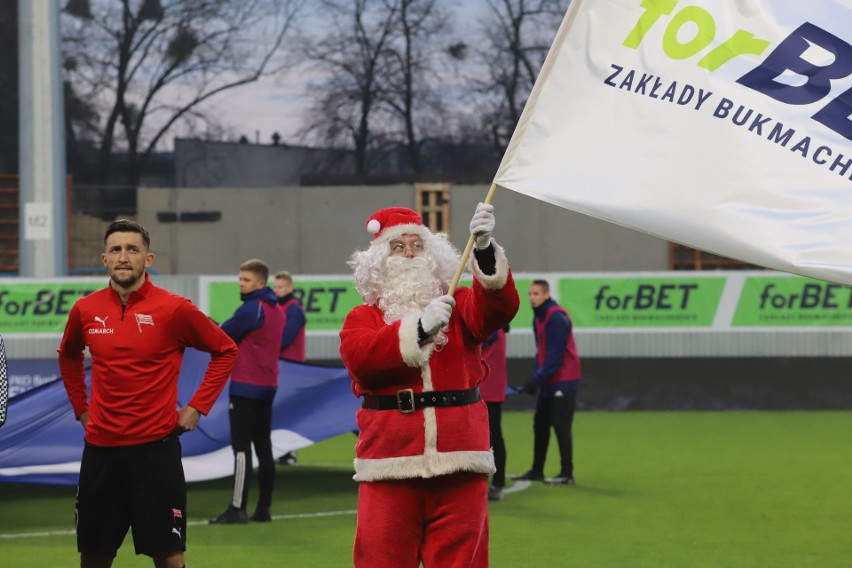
(555, 412)
(495, 428)
(251, 423)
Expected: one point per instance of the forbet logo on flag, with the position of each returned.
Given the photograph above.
(797, 72)
(724, 126)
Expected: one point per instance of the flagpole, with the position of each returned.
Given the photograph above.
(469, 247)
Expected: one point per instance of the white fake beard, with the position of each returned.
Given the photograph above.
(409, 285)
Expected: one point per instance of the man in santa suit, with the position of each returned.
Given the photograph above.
(413, 352)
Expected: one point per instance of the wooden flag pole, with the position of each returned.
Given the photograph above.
(469, 247)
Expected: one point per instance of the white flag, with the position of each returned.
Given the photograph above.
(725, 125)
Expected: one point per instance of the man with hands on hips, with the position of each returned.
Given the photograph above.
(131, 473)
(413, 352)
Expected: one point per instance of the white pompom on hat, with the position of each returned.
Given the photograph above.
(394, 221)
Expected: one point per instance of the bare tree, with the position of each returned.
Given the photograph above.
(353, 57)
(518, 34)
(412, 72)
(151, 64)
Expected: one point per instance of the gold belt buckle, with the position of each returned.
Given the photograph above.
(399, 400)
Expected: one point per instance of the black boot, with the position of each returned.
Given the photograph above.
(261, 515)
(231, 516)
(531, 475)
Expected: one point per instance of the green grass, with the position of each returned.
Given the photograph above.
(654, 489)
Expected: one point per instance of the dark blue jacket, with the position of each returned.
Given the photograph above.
(557, 332)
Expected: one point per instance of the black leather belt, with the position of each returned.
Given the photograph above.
(407, 401)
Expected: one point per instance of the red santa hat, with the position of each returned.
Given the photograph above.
(393, 222)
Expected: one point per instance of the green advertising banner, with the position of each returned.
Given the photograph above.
(523, 319)
(641, 302)
(40, 308)
(326, 302)
(594, 301)
(792, 302)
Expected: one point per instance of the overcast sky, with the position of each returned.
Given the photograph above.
(278, 104)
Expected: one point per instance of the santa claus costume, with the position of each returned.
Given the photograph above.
(423, 452)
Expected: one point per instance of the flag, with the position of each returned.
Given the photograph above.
(43, 442)
(724, 125)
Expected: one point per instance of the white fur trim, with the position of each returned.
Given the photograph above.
(398, 230)
(430, 428)
(494, 281)
(426, 377)
(409, 345)
(426, 465)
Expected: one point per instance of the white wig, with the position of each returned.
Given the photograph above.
(369, 264)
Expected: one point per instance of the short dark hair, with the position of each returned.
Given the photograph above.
(257, 266)
(543, 283)
(128, 226)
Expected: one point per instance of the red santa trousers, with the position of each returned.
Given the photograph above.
(441, 521)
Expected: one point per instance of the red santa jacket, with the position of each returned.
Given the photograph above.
(384, 358)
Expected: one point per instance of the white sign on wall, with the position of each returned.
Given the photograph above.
(38, 221)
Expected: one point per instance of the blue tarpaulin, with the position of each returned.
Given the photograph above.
(42, 442)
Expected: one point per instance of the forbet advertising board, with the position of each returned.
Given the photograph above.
(602, 302)
(41, 306)
(325, 299)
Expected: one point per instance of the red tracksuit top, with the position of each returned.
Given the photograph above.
(136, 353)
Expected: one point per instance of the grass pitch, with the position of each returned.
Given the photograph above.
(654, 489)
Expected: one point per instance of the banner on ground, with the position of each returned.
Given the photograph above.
(725, 126)
(42, 442)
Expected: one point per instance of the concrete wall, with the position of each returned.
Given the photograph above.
(219, 164)
(314, 230)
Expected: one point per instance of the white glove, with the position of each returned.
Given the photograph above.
(482, 225)
(437, 314)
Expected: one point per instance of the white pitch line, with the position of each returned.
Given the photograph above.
(36, 534)
(314, 515)
(517, 486)
(323, 466)
(41, 534)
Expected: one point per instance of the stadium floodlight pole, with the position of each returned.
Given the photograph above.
(469, 247)
(42, 217)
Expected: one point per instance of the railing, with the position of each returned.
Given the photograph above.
(88, 206)
(682, 257)
(9, 220)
